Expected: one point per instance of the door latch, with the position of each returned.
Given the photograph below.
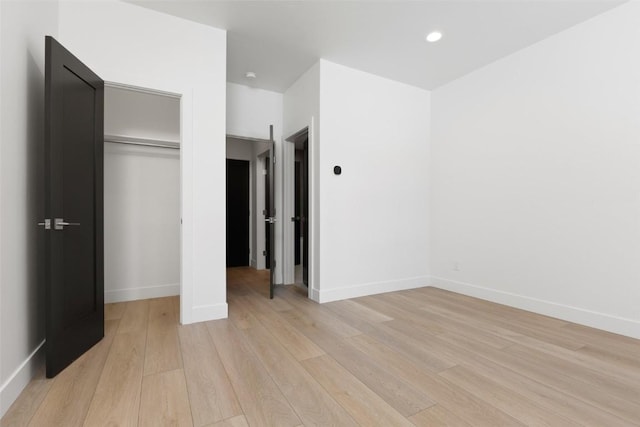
(46, 224)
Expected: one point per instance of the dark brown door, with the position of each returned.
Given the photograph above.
(297, 186)
(73, 228)
(267, 198)
(237, 213)
(271, 219)
(304, 214)
(301, 243)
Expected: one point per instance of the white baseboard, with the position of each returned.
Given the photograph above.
(594, 319)
(203, 313)
(132, 294)
(314, 294)
(18, 380)
(354, 291)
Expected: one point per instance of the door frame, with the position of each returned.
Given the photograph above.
(289, 209)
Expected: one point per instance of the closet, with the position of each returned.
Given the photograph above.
(141, 194)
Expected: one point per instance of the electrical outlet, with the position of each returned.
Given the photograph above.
(456, 266)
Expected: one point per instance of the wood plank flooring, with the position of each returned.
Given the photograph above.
(423, 357)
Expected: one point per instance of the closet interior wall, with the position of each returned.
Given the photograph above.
(141, 195)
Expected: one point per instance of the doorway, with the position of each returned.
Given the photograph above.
(301, 211)
(249, 203)
(297, 202)
(142, 193)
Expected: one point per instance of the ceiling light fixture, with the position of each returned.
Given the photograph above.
(250, 75)
(434, 36)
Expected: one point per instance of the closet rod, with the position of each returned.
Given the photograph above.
(141, 141)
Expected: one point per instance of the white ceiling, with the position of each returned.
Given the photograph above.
(280, 40)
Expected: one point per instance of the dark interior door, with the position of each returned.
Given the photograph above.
(270, 218)
(301, 202)
(297, 212)
(237, 213)
(267, 229)
(304, 214)
(73, 228)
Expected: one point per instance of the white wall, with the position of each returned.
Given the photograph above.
(536, 177)
(250, 111)
(239, 149)
(135, 113)
(141, 222)
(301, 109)
(374, 217)
(302, 101)
(178, 56)
(141, 197)
(23, 26)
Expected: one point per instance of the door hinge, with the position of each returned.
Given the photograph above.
(264, 253)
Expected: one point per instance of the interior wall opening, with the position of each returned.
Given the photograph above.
(249, 258)
(297, 202)
(301, 212)
(142, 207)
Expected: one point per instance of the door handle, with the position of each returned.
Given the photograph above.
(270, 220)
(59, 223)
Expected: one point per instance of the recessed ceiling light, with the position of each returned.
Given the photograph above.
(434, 36)
(250, 75)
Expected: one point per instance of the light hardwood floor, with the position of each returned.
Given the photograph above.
(421, 357)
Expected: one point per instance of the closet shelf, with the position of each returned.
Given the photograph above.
(148, 142)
